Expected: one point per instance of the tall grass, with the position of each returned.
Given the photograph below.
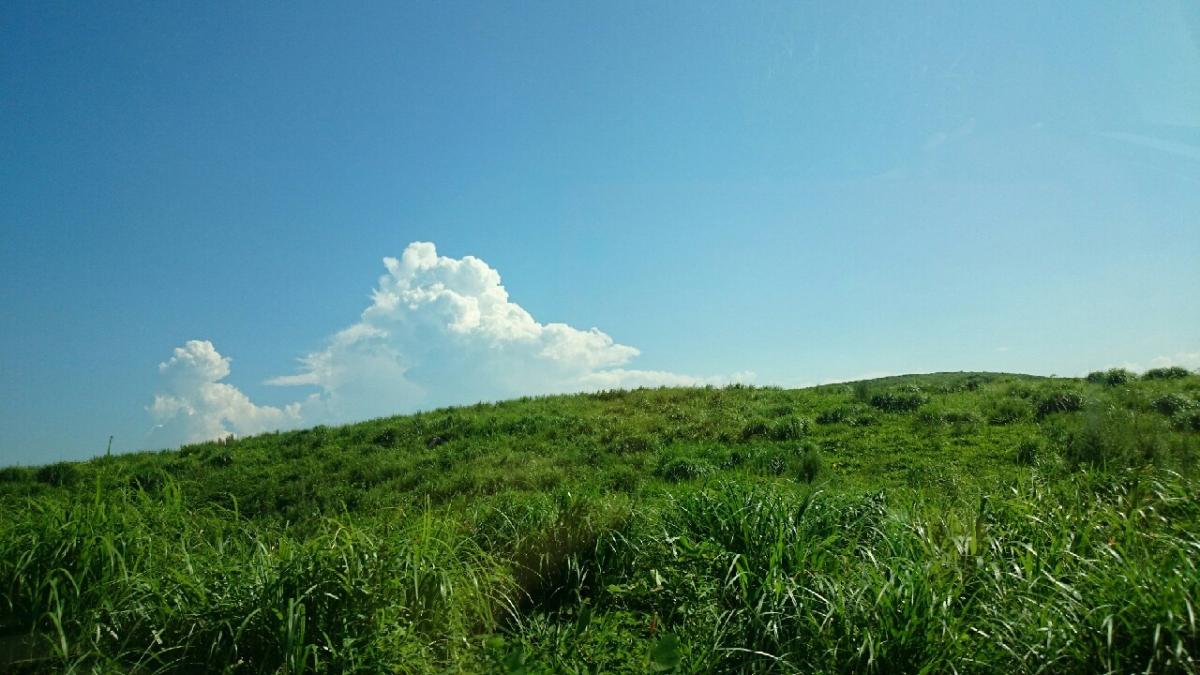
(981, 524)
(206, 589)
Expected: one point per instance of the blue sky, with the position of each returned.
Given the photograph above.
(802, 192)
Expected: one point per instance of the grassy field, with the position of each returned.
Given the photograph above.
(961, 522)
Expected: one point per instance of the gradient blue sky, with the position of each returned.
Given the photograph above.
(806, 191)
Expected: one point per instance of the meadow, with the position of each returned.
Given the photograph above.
(955, 522)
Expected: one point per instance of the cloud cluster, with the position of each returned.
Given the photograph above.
(1189, 360)
(194, 405)
(439, 331)
(1184, 359)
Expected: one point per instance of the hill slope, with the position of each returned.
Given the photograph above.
(967, 521)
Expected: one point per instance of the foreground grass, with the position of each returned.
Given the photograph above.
(960, 522)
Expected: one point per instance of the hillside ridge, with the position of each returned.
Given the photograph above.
(951, 521)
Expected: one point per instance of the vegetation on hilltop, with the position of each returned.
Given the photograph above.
(966, 522)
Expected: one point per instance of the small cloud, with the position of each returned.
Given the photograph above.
(1002, 349)
(1185, 359)
(193, 405)
(1189, 360)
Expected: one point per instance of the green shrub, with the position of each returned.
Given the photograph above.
(62, 474)
(149, 480)
(935, 415)
(960, 416)
(1009, 411)
(782, 410)
(13, 474)
(1170, 404)
(676, 469)
(1060, 402)
(854, 416)
(1028, 451)
(1171, 373)
(810, 465)
(1186, 420)
(833, 415)
(932, 415)
(773, 462)
(755, 429)
(1020, 390)
(386, 438)
(628, 444)
(1111, 377)
(788, 429)
(899, 400)
(1111, 437)
(219, 458)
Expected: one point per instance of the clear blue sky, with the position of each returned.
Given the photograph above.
(806, 191)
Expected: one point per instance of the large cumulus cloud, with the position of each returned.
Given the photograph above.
(439, 331)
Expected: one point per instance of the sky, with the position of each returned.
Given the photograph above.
(238, 218)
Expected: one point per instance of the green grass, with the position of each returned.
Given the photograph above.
(965, 522)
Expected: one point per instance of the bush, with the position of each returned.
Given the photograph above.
(774, 462)
(1171, 373)
(833, 415)
(938, 415)
(61, 474)
(1028, 450)
(220, 458)
(1060, 401)
(1187, 420)
(1171, 404)
(810, 465)
(676, 469)
(855, 416)
(1110, 438)
(899, 401)
(1111, 377)
(1009, 411)
(788, 429)
(13, 474)
(385, 438)
(630, 444)
(755, 429)
(148, 480)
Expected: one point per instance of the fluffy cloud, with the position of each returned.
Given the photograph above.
(1189, 360)
(194, 405)
(439, 331)
(1185, 359)
(442, 331)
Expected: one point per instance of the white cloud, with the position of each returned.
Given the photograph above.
(1185, 359)
(439, 331)
(193, 405)
(1189, 360)
(443, 331)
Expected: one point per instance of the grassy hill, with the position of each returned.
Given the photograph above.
(970, 522)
